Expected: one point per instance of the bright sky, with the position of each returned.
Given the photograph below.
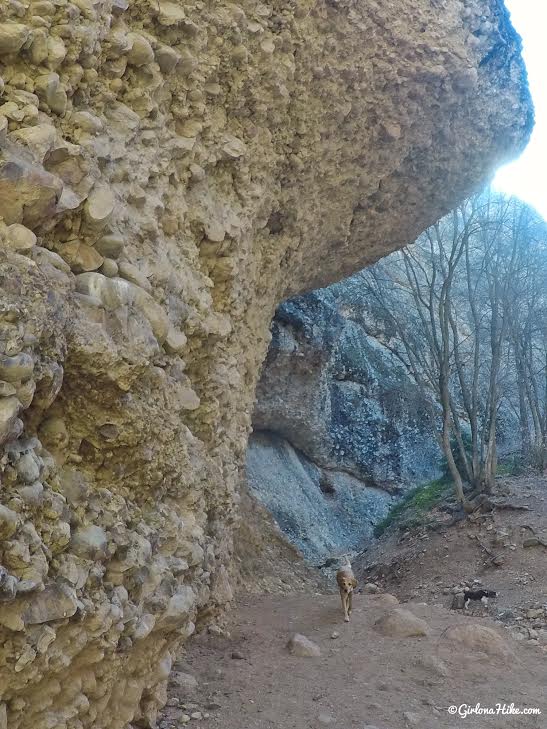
(527, 176)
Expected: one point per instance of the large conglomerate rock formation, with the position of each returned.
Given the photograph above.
(169, 171)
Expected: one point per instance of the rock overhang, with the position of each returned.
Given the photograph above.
(196, 163)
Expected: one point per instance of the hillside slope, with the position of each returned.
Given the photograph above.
(422, 562)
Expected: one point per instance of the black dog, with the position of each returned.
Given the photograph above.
(481, 595)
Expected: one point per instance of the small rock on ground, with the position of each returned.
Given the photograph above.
(301, 646)
(184, 680)
(433, 664)
(370, 588)
(412, 719)
(325, 719)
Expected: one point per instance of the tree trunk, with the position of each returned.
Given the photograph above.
(454, 472)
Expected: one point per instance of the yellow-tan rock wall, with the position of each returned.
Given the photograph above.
(169, 171)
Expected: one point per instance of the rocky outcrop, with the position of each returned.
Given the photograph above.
(169, 171)
(340, 396)
(339, 425)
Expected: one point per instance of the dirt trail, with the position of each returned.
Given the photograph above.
(361, 679)
(366, 680)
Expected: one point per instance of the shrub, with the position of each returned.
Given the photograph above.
(413, 506)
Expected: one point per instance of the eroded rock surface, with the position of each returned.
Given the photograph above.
(340, 428)
(184, 166)
(322, 513)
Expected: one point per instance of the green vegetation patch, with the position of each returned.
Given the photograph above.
(412, 508)
(510, 467)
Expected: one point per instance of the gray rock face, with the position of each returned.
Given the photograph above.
(340, 427)
(319, 517)
(341, 397)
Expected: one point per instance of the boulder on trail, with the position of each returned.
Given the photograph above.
(480, 638)
(384, 600)
(401, 623)
(301, 646)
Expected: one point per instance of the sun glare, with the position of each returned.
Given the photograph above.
(526, 177)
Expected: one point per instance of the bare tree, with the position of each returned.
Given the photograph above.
(526, 308)
(464, 309)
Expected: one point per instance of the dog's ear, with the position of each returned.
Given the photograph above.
(354, 582)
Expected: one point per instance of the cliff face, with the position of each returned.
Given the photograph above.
(169, 171)
(339, 425)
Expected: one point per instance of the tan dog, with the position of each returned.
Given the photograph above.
(347, 584)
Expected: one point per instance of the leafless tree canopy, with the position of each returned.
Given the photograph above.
(465, 310)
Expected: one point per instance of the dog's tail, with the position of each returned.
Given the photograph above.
(345, 561)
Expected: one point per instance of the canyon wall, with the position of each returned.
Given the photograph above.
(340, 427)
(170, 171)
